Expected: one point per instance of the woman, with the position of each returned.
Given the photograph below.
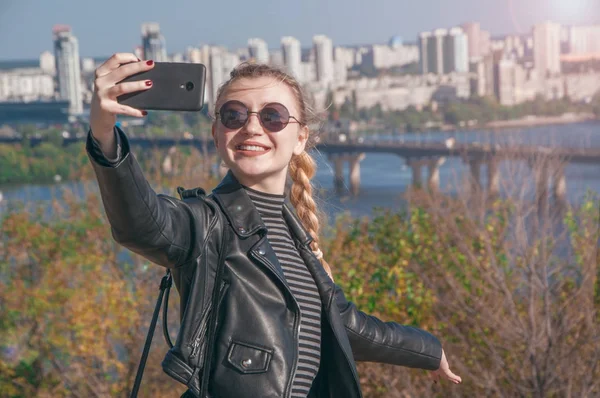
(284, 328)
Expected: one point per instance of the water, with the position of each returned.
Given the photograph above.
(385, 177)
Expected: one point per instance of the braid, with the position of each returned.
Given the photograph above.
(302, 168)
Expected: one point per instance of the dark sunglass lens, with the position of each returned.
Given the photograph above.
(233, 115)
(275, 117)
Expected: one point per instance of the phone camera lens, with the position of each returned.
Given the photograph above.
(189, 86)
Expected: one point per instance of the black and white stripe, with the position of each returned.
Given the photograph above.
(301, 284)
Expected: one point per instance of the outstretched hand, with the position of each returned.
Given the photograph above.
(445, 372)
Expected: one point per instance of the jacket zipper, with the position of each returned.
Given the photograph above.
(201, 330)
(265, 261)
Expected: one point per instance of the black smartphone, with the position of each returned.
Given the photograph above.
(175, 87)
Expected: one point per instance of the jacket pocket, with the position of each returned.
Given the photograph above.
(249, 358)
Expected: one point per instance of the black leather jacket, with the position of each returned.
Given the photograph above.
(258, 317)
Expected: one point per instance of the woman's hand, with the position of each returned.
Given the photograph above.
(445, 372)
(104, 107)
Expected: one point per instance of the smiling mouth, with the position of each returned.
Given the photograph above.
(251, 148)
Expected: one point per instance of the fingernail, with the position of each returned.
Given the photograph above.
(144, 113)
(138, 59)
(148, 83)
(149, 63)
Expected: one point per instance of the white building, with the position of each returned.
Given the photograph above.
(324, 59)
(221, 63)
(423, 42)
(435, 51)
(345, 55)
(153, 42)
(456, 51)
(546, 48)
(25, 85)
(292, 56)
(385, 56)
(584, 40)
(68, 72)
(258, 50)
(47, 63)
(478, 40)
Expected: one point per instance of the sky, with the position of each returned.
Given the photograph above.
(108, 26)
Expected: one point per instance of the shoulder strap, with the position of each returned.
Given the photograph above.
(165, 288)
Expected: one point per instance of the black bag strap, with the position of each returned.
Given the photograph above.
(165, 288)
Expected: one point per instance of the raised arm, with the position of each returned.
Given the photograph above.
(373, 340)
(160, 228)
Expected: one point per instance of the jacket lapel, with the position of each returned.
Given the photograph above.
(246, 221)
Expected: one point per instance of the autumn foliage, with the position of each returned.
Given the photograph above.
(514, 298)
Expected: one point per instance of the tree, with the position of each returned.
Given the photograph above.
(74, 316)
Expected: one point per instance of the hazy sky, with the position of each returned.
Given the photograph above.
(107, 26)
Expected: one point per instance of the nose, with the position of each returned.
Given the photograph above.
(253, 125)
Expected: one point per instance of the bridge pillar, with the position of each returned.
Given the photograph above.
(493, 177)
(559, 186)
(541, 188)
(475, 178)
(416, 166)
(338, 167)
(433, 180)
(355, 173)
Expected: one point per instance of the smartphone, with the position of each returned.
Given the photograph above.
(175, 87)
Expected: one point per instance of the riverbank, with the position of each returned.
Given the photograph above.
(536, 121)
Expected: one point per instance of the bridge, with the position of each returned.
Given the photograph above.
(418, 156)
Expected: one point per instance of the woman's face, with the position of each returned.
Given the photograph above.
(258, 157)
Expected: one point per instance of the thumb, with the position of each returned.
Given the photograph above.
(452, 377)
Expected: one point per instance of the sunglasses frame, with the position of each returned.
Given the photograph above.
(258, 114)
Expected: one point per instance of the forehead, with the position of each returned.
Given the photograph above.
(259, 91)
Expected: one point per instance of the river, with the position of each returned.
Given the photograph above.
(385, 177)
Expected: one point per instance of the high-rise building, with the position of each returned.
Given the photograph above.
(153, 42)
(478, 39)
(323, 48)
(68, 71)
(346, 55)
(292, 56)
(456, 51)
(435, 51)
(546, 48)
(473, 32)
(220, 63)
(258, 50)
(584, 40)
(423, 59)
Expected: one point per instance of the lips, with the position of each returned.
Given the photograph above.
(252, 146)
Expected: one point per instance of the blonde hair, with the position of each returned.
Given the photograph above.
(301, 167)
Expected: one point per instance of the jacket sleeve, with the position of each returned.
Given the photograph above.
(159, 228)
(373, 340)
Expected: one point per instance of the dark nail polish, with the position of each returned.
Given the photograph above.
(148, 83)
(149, 63)
(144, 113)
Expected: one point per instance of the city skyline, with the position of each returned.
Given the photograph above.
(502, 17)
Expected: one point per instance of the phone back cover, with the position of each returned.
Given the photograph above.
(170, 88)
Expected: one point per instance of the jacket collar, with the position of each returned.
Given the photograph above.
(238, 207)
(243, 216)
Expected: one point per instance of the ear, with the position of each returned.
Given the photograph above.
(302, 140)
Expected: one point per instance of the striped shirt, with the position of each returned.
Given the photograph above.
(301, 284)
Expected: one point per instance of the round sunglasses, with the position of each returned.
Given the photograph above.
(273, 117)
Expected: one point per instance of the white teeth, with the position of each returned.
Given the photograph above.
(251, 148)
